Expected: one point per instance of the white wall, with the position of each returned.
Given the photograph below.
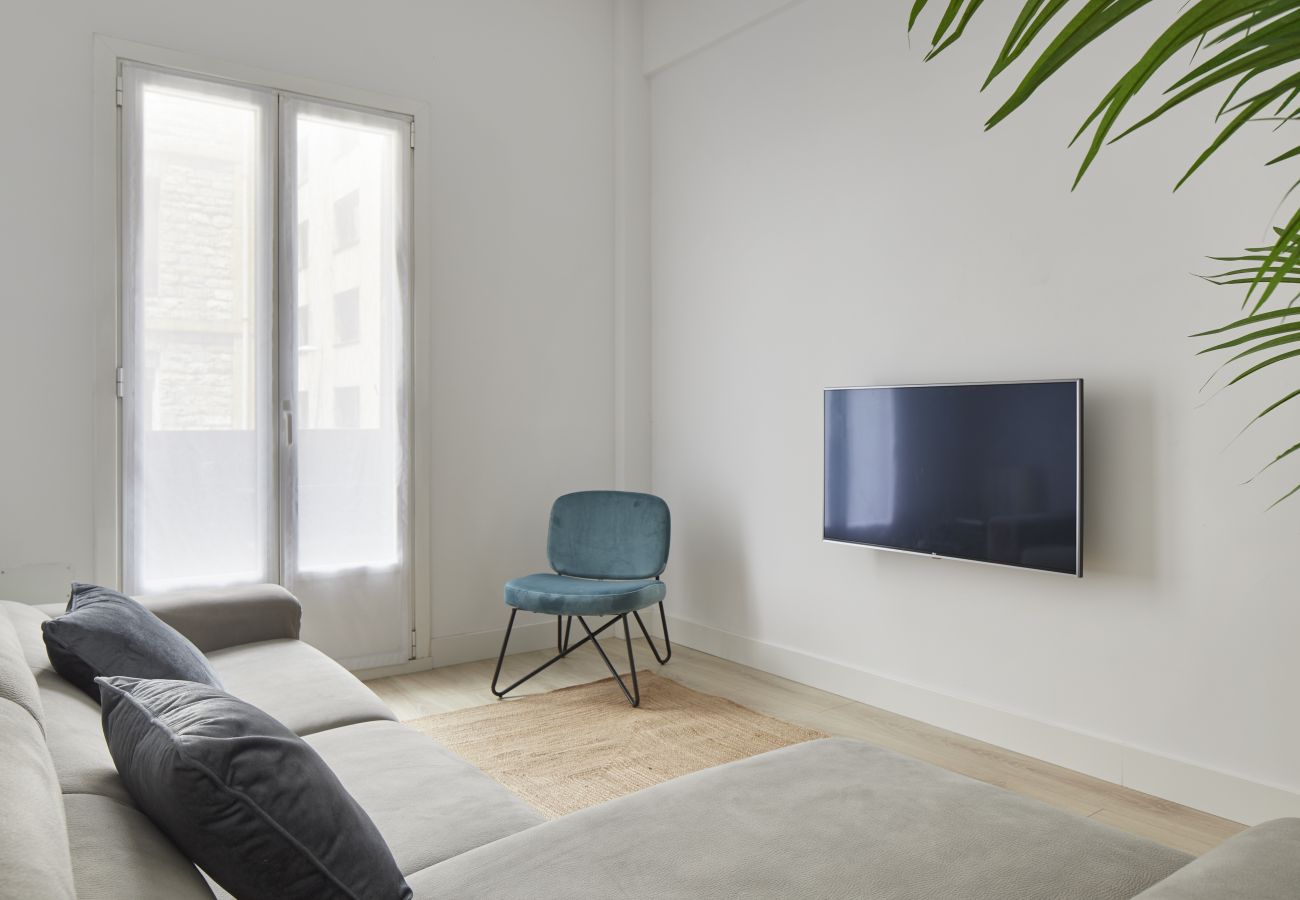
(520, 243)
(677, 28)
(827, 210)
(631, 249)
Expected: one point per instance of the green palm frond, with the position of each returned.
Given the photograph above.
(1250, 50)
(1277, 459)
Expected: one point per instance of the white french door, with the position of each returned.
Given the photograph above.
(266, 297)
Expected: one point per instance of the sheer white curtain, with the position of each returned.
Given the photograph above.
(199, 505)
(345, 214)
(266, 310)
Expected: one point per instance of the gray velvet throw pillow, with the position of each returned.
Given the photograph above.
(247, 800)
(107, 633)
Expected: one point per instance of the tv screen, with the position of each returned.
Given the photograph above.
(985, 472)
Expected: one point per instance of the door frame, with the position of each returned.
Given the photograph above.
(107, 430)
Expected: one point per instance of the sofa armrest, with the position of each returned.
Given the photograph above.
(216, 618)
(1260, 863)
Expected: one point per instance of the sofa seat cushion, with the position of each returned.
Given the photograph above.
(118, 854)
(428, 803)
(830, 818)
(34, 855)
(249, 801)
(297, 684)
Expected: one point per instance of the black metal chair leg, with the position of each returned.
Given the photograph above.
(631, 661)
(502, 657)
(634, 700)
(562, 634)
(569, 648)
(668, 644)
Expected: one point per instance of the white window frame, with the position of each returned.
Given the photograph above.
(107, 432)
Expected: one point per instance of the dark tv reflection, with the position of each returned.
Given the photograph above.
(986, 472)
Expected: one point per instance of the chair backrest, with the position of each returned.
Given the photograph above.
(609, 534)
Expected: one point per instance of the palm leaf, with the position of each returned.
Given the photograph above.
(1190, 28)
(1253, 336)
(917, 8)
(1266, 345)
(1268, 409)
(1090, 23)
(1272, 406)
(1293, 152)
(1249, 109)
(1281, 260)
(1231, 63)
(957, 32)
(1253, 319)
(1277, 459)
(1249, 49)
(1285, 496)
(1033, 18)
(1281, 357)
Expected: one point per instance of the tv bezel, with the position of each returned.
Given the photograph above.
(1078, 474)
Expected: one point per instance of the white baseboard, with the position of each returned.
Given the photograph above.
(475, 645)
(472, 646)
(1216, 792)
(409, 667)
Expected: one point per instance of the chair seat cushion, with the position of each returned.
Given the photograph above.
(560, 595)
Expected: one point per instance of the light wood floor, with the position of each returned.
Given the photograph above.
(460, 686)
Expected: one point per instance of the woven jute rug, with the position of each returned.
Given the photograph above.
(578, 746)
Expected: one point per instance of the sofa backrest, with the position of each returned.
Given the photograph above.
(34, 852)
(1260, 863)
(74, 826)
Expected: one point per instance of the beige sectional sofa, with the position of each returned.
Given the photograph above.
(429, 804)
(831, 818)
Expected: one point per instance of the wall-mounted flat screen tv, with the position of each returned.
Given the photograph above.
(987, 472)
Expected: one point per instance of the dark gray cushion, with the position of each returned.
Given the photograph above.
(106, 633)
(248, 800)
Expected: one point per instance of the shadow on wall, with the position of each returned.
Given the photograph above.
(709, 555)
(1120, 486)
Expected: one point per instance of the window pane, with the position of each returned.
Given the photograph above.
(347, 316)
(347, 407)
(351, 288)
(347, 209)
(304, 327)
(197, 358)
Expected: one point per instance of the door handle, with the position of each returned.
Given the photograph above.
(286, 414)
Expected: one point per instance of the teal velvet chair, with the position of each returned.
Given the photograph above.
(608, 549)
